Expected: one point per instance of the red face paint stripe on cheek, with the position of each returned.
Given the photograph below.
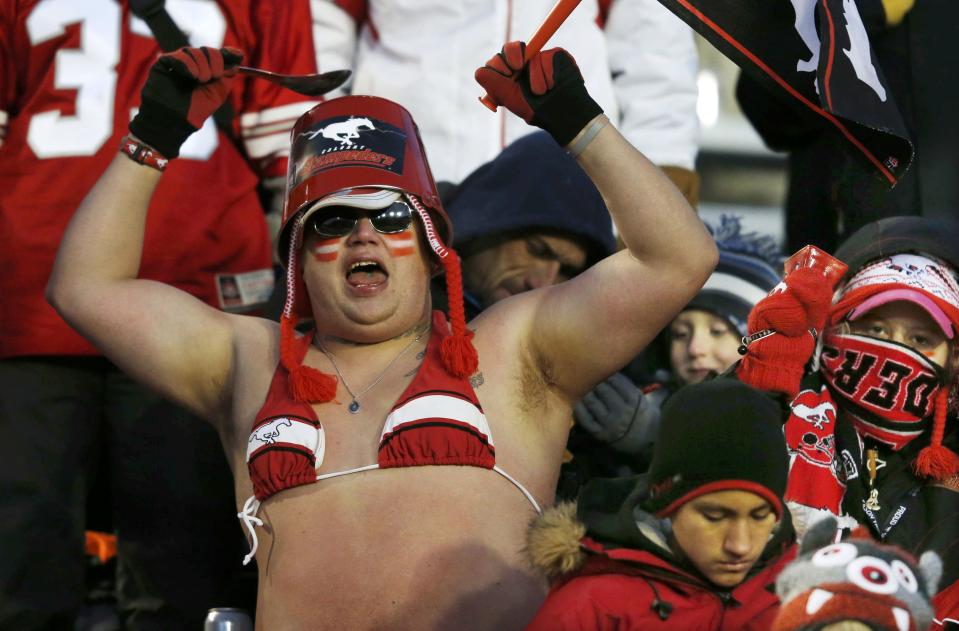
(326, 250)
(401, 244)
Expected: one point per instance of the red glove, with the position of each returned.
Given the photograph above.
(548, 92)
(181, 91)
(777, 362)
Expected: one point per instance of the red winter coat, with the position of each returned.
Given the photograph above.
(623, 588)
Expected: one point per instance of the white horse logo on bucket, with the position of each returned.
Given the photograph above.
(344, 132)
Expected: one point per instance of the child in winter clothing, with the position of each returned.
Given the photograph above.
(618, 421)
(871, 421)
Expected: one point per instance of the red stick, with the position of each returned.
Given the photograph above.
(557, 15)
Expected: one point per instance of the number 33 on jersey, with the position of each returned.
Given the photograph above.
(70, 78)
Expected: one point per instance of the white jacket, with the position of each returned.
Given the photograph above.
(641, 69)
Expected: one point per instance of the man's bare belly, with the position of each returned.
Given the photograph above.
(413, 548)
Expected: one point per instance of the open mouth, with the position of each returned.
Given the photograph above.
(364, 273)
(700, 374)
(818, 598)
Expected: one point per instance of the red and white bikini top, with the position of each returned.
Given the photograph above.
(438, 420)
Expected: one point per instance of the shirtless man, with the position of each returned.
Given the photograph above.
(393, 545)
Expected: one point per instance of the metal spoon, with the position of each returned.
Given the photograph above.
(306, 84)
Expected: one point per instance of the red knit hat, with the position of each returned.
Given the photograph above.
(931, 284)
(360, 151)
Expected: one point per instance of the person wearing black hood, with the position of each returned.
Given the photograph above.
(693, 544)
(528, 218)
(532, 218)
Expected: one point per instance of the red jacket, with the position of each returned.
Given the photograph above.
(619, 589)
(631, 589)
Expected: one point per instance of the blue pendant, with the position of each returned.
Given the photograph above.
(354, 406)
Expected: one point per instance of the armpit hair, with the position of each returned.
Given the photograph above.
(537, 377)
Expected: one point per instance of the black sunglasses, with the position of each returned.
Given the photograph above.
(394, 218)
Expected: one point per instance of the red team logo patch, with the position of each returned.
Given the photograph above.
(347, 141)
(811, 427)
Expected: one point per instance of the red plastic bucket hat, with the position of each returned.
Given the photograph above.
(345, 150)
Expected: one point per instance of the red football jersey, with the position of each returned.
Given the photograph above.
(70, 79)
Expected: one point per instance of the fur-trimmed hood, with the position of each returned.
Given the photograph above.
(560, 541)
(607, 522)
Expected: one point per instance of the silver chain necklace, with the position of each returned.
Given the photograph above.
(354, 406)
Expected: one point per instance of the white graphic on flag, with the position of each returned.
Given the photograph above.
(859, 53)
(806, 27)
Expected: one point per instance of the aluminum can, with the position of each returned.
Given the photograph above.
(227, 619)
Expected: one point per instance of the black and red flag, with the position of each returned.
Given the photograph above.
(817, 53)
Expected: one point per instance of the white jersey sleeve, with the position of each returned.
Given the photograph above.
(654, 65)
(335, 29)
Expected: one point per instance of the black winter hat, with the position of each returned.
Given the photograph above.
(718, 435)
(533, 185)
(898, 235)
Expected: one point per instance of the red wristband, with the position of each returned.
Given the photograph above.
(142, 153)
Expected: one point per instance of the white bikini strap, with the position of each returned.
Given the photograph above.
(522, 488)
(347, 472)
(249, 519)
(252, 505)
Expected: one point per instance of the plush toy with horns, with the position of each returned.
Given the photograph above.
(880, 587)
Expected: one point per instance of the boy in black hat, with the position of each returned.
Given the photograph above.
(694, 543)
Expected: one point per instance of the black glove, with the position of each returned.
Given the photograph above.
(181, 91)
(548, 92)
(616, 413)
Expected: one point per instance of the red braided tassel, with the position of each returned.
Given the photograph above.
(459, 355)
(307, 384)
(938, 461)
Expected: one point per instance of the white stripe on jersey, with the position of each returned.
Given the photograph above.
(267, 133)
(282, 127)
(274, 114)
(270, 145)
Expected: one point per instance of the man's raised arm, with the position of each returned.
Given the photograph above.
(161, 336)
(583, 330)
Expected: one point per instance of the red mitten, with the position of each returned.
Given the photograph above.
(776, 362)
(803, 304)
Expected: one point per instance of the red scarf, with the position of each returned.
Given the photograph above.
(810, 437)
